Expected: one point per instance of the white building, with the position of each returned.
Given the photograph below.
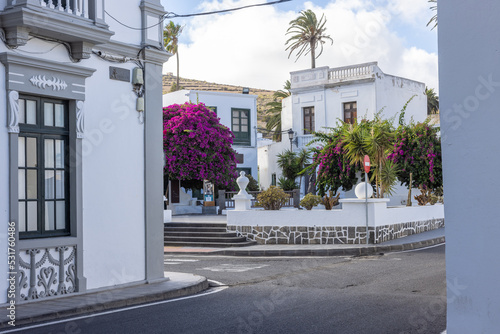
(236, 111)
(322, 96)
(80, 163)
(469, 100)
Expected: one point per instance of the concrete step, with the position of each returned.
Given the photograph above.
(201, 234)
(188, 229)
(209, 244)
(209, 234)
(208, 224)
(204, 239)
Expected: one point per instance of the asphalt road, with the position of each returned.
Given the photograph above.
(393, 293)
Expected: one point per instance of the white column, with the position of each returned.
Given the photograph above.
(469, 94)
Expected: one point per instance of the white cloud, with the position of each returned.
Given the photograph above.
(413, 11)
(247, 47)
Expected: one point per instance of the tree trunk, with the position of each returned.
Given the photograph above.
(408, 202)
(177, 56)
(313, 55)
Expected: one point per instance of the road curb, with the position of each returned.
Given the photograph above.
(119, 299)
(353, 251)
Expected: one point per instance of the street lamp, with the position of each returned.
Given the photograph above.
(290, 136)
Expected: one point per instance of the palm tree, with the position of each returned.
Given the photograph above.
(372, 138)
(434, 19)
(432, 101)
(171, 35)
(378, 142)
(274, 112)
(307, 34)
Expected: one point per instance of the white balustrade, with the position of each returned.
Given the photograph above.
(303, 140)
(351, 72)
(75, 7)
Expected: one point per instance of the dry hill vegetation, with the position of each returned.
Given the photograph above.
(264, 96)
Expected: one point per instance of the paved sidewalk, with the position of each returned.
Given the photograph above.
(178, 285)
(415, 241)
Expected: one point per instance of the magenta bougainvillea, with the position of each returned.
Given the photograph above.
(333, 166)
(197, 146)
(417, 150)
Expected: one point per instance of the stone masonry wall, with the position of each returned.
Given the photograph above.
(311, 235)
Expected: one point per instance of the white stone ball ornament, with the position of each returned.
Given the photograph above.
(360, 190)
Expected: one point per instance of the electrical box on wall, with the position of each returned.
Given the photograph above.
(140, 104)
(137, 76)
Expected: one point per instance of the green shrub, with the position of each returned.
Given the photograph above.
(272, 199)
(309, 201)
(287, 184)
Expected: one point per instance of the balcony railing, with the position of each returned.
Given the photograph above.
(354, 72)
(78, 22)
(303, 140)
(75, 7)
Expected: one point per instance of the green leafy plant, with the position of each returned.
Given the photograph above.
(331, 163)
(310, 201)
(291, 164)
(307, 35)
(287, 184)
(273, 115)
(273, 198)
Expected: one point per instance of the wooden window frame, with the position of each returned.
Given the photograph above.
(308, 116)
(352, 109)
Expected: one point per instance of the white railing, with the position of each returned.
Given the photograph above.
(351, 72)
(303, 140)
(75, 7)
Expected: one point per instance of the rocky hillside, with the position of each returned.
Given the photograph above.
(264, 96)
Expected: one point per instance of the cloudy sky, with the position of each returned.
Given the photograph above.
(247, 47)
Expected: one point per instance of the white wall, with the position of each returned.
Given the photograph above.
(469, 77)
(394, 92)
(362, 93)
(267, 161)
(129, 13)
(352, 214)
(4, 187)
(113, 181)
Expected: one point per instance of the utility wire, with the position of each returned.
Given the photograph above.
(170, 15)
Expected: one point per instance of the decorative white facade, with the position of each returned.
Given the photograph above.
(80, 168)
(225, 104)
(322, 96)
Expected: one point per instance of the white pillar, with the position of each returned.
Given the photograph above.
(469, 94)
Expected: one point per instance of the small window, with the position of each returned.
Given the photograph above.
(308, 120)
(273, 179)
(350, 112)
(240, 125)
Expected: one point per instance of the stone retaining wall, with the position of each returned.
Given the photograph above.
(310, 235)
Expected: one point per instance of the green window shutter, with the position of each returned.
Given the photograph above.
(240, 126)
